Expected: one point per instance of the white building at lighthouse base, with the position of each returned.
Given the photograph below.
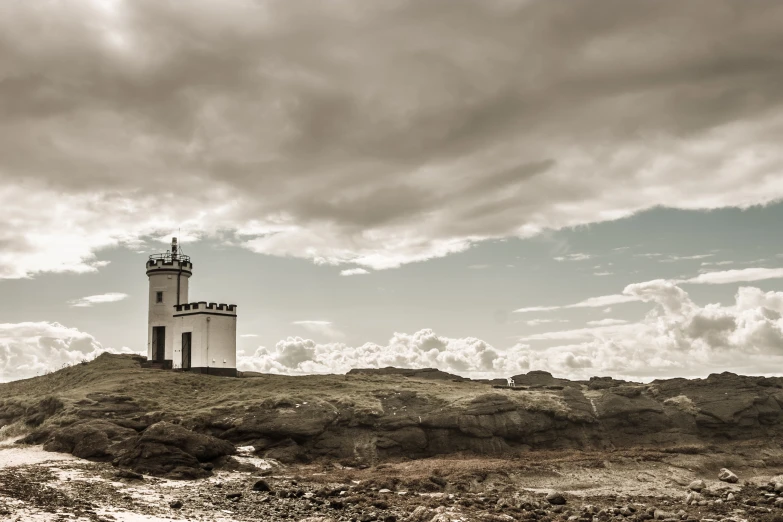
(211, 331)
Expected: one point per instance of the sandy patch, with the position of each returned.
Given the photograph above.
(11, 456)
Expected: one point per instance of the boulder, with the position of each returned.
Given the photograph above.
(535, 377)
(169, 450)
(91, 439)
(203, 447)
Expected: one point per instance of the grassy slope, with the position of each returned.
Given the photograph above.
(186, 393)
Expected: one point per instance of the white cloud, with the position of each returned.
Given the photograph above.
(632, 292)
(537, 309)
(744, 275)
(536, 322)
(384, 155)
(90, 300)
(574, 257)
(325, 328)
(676, 338)
(34, 348)
(353, 271)
(602, 274)
(604, 300)
(592, 302)
(468, 356)
(680, 338)
(607, 322)
(578, 334)
(249, 335)
(675, 258)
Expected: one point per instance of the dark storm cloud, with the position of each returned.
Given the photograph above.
(392, 131)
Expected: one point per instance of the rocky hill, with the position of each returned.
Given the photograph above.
(181, 425)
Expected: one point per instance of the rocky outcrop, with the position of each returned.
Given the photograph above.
(726, 406)
(163, 449)
(535, 378)
(602, 383)
(416, 373)
(365, 420)
(616, 414)
(172, 451)
(93, 439)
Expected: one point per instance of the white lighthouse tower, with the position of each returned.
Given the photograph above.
(198, 337)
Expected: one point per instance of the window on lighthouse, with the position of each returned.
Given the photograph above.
(158, 297)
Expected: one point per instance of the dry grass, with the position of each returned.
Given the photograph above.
(193, 394)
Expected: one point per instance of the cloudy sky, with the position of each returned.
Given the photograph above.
(589, 188)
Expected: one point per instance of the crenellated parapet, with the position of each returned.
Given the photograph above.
(162, 263)
(204, 307)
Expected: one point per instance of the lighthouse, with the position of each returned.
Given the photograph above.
(199, 337)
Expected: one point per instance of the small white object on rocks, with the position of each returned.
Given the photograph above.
(726, 475)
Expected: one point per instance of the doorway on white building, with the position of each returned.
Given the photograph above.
(158, 343)
(185, 350)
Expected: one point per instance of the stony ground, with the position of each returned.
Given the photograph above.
(626, 485)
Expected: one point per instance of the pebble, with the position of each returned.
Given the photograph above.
(726, 475)
(261, 485)
(697, 485)
(556, 498)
